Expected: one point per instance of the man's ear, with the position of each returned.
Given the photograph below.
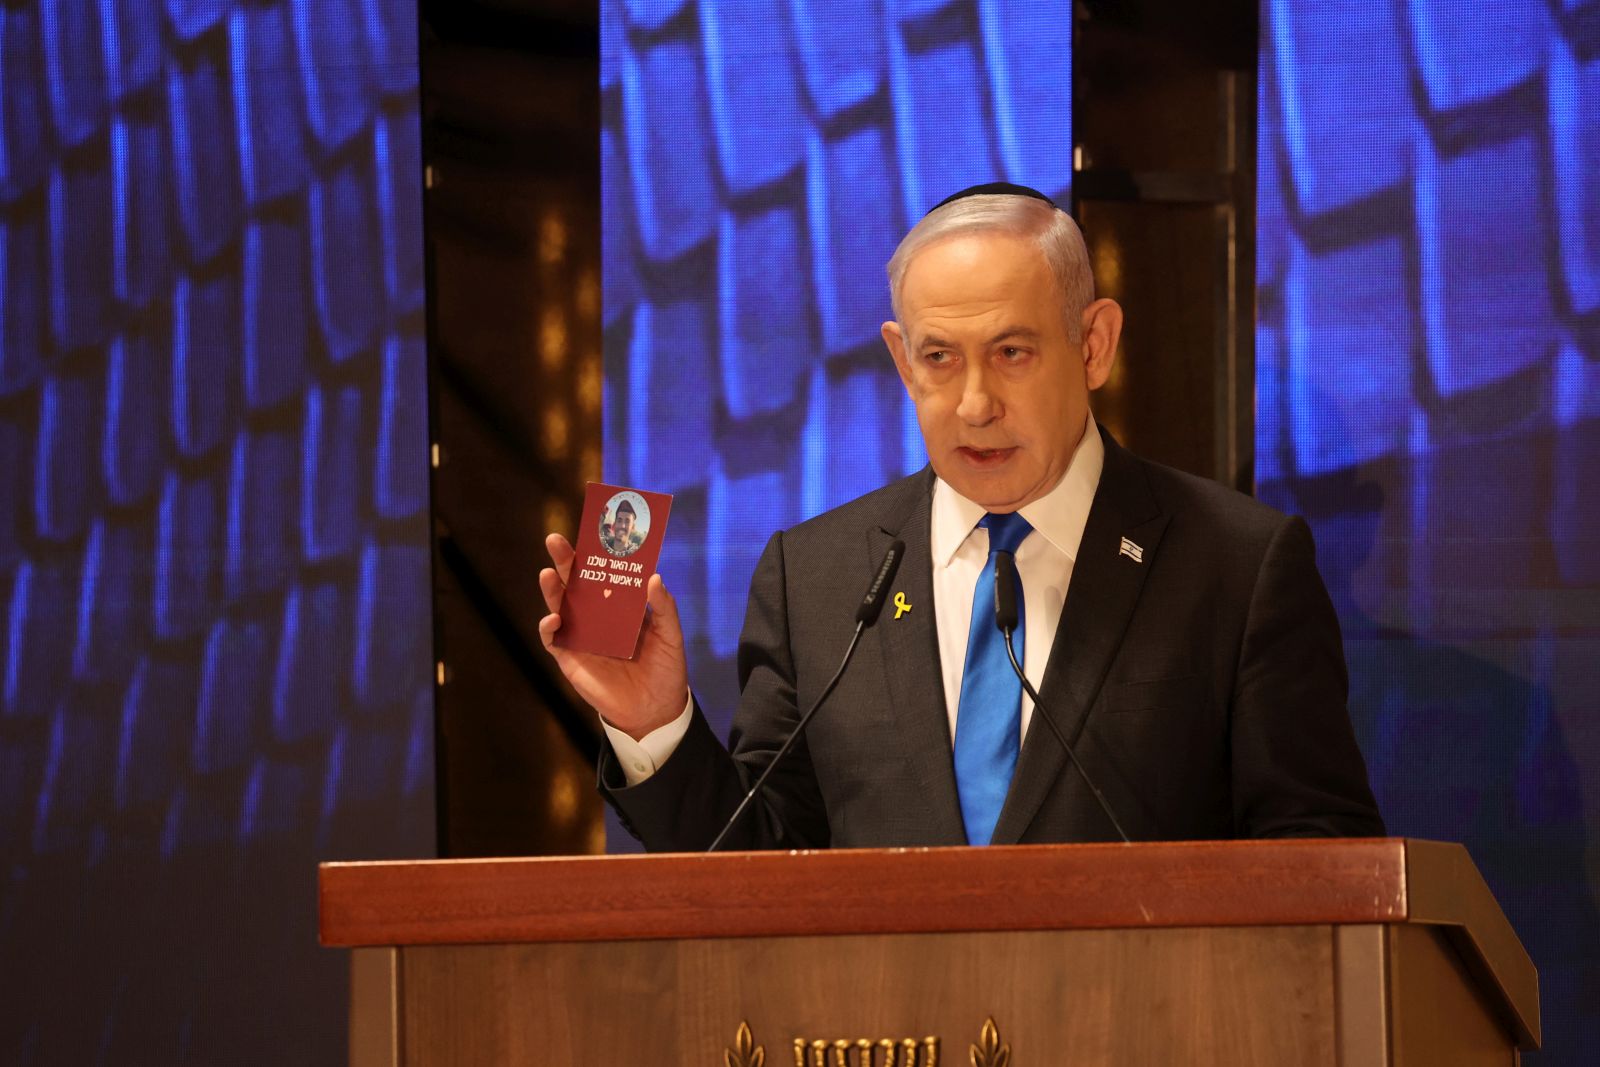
(1102, 327)
(896, 342)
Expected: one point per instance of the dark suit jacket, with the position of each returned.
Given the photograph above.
(1203, 688)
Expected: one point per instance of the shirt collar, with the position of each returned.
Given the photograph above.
(1060, 515)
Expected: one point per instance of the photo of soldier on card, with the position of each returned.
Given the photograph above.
(624, 524)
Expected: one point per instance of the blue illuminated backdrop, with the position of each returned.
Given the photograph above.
(1428, 392)
(213, 514)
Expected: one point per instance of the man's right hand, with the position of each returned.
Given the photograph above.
(635, 695)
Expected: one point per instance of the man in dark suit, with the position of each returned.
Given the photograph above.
(1177, 632)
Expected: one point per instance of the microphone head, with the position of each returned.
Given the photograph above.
(867, 613)
(1005, 592)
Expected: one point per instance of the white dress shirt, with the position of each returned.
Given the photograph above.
(960, 551)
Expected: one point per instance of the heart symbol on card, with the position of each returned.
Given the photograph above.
(606, 592)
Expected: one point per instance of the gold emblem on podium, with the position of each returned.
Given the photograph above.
(745, 1052)
(990, 1051)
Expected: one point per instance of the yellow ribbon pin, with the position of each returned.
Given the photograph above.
(900, 605)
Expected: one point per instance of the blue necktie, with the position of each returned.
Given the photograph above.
(989, 718)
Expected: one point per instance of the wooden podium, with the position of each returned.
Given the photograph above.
(1357, 952)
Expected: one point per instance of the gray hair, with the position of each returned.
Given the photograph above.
(1058, 237)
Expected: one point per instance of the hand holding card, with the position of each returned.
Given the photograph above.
(597, 594)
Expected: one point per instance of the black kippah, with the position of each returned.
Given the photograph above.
(994, 189)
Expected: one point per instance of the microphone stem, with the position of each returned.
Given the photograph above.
(1039, 712)
(793, 737)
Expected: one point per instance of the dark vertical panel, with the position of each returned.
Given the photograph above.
(511, 119)
(1164, 98)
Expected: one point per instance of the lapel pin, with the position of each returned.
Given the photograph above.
(900, 605)
(1131, 550)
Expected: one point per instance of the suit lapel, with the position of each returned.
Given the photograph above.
(1105, 587)
(911, 661)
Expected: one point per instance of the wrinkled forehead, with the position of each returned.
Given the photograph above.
(979, 274)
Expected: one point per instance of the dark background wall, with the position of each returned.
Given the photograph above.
(510, 112)
(213, 515)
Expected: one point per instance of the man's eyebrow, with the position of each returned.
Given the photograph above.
(1013, 333)
(1010, 333)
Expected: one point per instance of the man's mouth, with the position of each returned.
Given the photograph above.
(984, 458)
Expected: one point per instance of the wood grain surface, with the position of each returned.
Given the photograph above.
(1238, 995)
(750, 894)
(1439, 1013)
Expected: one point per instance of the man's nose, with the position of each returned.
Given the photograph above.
(979, 405)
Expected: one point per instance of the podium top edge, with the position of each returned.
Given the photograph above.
(846, 891)
(856, 855)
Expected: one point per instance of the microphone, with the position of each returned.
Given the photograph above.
(1005, 599)
(866, 615)
(872, 604)
(1005, 617)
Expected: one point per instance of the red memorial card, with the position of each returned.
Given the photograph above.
(619, 541)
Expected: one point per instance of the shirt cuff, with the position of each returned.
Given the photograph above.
(640, 759)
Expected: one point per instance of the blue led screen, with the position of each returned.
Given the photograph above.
(214, 559)
(760, 161)
(1428, 393)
